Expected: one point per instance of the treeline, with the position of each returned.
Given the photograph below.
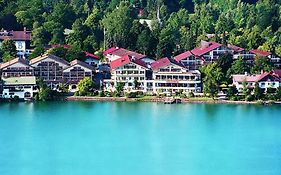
(176, 26)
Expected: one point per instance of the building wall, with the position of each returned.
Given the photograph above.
(128, 74)
(50, 71)
(173, 78)
(74, 74)
(19, 90)
(17, 70)
(192, 63)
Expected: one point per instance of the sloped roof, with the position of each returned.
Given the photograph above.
(164, 62)
(17, 36)
(255, 78)
(30, 80)
(110, 50)
(263, 75)
(81, 63)
(260, 53)
(277, 72)
(40, 58)
(183, 56)
(123, 52)
(14, 61)
(247, 78)
(205, 48)
(125, 60)
(88, 54)
(65, 46)
(236, 49)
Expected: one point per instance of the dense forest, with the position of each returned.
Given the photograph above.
(176, 25)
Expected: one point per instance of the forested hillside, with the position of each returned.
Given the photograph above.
(177, 25)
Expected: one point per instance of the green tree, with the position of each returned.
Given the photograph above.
(246, 91)
(238, 67)
(37, 52)
(85, 87)
(258, 93)
(212, 79)
(59, 51)
(232, 91)
(63, 88)
(119, 89)
(225, 62)
(45, 93)
(9, 50)
(278, 93)
(75, 52)
(261, 64)
(117, 25)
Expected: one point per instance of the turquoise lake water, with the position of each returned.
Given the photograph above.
(115, 138)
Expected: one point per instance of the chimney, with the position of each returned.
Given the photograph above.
(24, 29)
(246, 73)
(205, 44)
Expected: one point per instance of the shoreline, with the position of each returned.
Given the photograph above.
(161, 100)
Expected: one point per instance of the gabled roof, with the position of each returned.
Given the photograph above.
(265, 74)
(205, 48)
(110, 50)
(255, 78)
(277, 72)
(247, 78)
(236, 49)
(16, 35)
(88, 54)
(260, 53)
(123, 52)
(65, 46)
(125, 60)
(40, 58)
(183, 56)
(164, 62)
(81, 63)
(14, 61)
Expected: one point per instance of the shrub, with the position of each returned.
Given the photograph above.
(271, 102)
(260, 102)
(132, 95)
(101, 94)
(249, 98)
(191, 95)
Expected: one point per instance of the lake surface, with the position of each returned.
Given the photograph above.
(119, 138)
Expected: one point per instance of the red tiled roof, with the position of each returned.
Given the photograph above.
(235, 48)
(247, 78)
(183, 56)
(13, 61)
(110, 50)
(277, 72)
(81, 63)
(125, 60)
(88, 54)
(260, 52)
(66, 46)
(164, 62)
(199, 51)
(17, 35)
(255, 78)
(123, 52)
(268, 73)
